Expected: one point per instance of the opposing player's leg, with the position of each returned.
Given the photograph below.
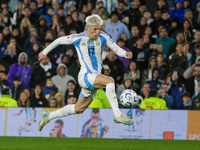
(79, 107)
(102, 81)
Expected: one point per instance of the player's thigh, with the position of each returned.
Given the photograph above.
(82, 104)
(101, 81)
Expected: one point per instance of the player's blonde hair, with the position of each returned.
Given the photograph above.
(94, 20)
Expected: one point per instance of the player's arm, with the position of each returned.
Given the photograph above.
(119, 51)
(65, 40)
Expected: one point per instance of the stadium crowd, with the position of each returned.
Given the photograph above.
(163, 35)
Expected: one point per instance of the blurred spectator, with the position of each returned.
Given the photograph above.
(116, 67)
(155, 82)
(53, 102)
(27, 91)
(41, 7)
(174, 27)
(157, 20)
(33, 58)
(28, 44)
(162, 93)
(179, 40)
(34, 13)
(42, 27)
(165, 40)
(4, 78)
(190, 71)
(147, 73)
(196, 100)
(134, 33)
(162, 5)
(17, 88)
(55, 23)
(71, 99)
(74, 69)
(69, 23)
(146, 92)
(105, 17)
(195, 54)
(3, 45)
(196, 18)
(163, 66)
(20, 69)
(109, 5)
(186, 50)
(60, 100)
(66, 60)
(139, 54)
(6, 17)
(3, 68)
(165, 19)
(18, 14)
(10, 57)
(178, 11)
(125, 61)
(23, 100)
(115, 27)
(15, 42)
(176, 89)
(187, 31)
(62, 78)
(41, 71)
(186, 97)
(192, 82)
(67, 5)
(179, 61)
(49, 15)
(49, 86)
(147, 15)
(56, 6)
(134, 74)
(72, 89)
(75, 16)
(38, 99)
(25, 29)
(142, 25)
(196, 39)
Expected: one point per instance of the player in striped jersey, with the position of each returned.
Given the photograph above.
(89, 46)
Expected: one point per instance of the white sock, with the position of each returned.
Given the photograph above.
(110, 93)
(65, 111)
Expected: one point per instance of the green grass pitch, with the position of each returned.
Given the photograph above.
(41, 143)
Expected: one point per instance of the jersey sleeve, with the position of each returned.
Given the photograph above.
(113, 46)
(64, 40)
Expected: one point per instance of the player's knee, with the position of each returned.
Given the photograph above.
(79, 110)
(110, 80)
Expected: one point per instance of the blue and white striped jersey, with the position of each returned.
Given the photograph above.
(89, 50)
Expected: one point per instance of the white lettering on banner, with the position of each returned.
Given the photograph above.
(194, 136)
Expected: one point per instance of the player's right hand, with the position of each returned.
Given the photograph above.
(41, 56)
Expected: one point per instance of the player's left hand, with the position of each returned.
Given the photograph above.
(129, 55)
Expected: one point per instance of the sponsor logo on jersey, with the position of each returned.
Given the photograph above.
(83, 44)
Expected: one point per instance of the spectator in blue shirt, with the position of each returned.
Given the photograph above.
(178, 11)
(115, 27)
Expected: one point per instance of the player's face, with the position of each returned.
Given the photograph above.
(93, 31)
